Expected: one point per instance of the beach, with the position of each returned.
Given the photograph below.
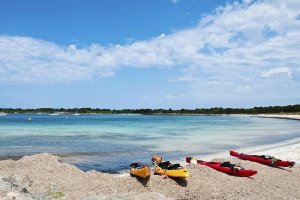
(285, 150)
(45, 176)
(96, 93)
(109, 143)
(279, 116)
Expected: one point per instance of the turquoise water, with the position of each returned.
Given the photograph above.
(110, 143)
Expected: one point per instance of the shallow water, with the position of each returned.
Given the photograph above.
(111, 142)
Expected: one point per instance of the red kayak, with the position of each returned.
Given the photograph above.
(266, 160)
(225, 167)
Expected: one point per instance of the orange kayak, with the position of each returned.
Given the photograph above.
(139, 170)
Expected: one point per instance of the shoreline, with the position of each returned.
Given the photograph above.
(285, 150)
(45, 176)
(278, 116)
(279, 149)
(266, 115)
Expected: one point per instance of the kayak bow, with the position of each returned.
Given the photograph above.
(139, 170)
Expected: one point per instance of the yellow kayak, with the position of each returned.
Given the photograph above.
(139, 170)
(176, 173)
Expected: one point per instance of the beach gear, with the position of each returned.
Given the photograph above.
(156, 159)
(166, 168)
(225, 167)
(263, 159)
(176, 173)
(140, 170)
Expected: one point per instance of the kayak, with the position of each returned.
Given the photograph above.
(266, 160)
(176, 173)
(166, 168)
(137, 169)
(225, 167)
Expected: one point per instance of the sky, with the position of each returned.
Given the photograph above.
(149, 54)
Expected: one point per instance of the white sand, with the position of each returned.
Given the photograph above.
(290, 152)
(286, 150)
(279, 116)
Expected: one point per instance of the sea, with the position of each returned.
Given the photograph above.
(110, 143)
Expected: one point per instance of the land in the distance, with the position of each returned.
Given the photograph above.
(289, 109)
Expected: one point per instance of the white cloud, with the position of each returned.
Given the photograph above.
(234, 45)
(278, 70)
(162, 35)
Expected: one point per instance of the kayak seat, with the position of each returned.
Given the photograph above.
(136, 165)
(268, 157)
(227, 164)
(174, 166)
(164, 165)
(168, 166)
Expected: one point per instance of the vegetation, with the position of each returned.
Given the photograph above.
(56, 195)
(293, 109)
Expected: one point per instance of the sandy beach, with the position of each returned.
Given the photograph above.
(45, 176)
(286, 150)
(92, 91)
(278, 116)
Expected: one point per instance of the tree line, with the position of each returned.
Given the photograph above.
(204, 111)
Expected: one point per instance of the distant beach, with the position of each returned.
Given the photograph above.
(279, 116)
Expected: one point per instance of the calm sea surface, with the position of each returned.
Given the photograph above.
(110, 143)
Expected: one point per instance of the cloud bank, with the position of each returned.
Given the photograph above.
(234, 46)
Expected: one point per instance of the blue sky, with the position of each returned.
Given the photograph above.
(149, 54)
